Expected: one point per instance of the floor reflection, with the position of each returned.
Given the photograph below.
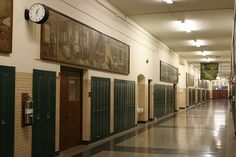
(200, 131)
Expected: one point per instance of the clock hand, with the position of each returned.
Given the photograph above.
(37, 11)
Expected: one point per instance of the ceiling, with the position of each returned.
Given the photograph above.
(211, 23)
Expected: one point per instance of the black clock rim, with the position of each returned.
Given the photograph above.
(45, 18)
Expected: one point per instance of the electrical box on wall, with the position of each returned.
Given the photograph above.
(27, 110)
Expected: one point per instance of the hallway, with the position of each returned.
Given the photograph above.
(204, 131)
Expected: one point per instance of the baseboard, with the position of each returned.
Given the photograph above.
(182, 107)
(143, 122)
(57, 153)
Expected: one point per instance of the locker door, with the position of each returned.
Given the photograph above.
(43, 129)
(189, 97)
(159, 100)
(124, 109)
(100, 107)
(7, 97)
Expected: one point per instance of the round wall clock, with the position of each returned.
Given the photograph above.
(37, 13)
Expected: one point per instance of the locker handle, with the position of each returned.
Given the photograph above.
(38, 117)
(48, 115)
(3, 121)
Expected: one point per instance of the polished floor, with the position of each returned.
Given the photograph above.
(202, 131)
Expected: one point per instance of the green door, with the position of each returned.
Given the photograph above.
(100, 107)
(7, 97)
(44, 89)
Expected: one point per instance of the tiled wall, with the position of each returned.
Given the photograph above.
(57, 113)
(182, 97)
(141, 102)
(112, 107)
(86, 110)
(23, 135)
(151, 102)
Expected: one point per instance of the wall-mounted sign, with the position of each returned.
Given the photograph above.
(189, 79)
(66, 40)
(6, 26)
(209, 71)
(169, 73)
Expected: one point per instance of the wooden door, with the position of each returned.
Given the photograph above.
(71, 107)
(7, 97)
(43, 129)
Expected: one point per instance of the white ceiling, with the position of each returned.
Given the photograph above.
(211, 21)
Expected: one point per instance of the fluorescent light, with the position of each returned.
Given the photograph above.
(185, 26)
(203, 53)
(168, 1)
(197, 43)
(208, 60)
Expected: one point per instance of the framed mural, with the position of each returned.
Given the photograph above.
(169, 73)
(200, 83)
(203, 84)
(66, 40)
(209, 71)
(189, 79)
(6, 7)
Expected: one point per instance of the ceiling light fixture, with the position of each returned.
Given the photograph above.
(185, 26)
(168, 1)
(203, 53)
(197, 43)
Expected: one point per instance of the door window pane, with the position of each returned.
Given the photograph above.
(74, 89)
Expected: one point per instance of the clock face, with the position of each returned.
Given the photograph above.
(37, 12)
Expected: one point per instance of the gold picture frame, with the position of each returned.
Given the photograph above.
(66, 40)
(189, 79)
(6, 14)
(168, 73)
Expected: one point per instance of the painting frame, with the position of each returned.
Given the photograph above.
(189, 80)
(168, 73)
(90, 48)
(6, 26)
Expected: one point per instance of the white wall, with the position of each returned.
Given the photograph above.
(26, 40)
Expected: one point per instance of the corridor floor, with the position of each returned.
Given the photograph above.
(203, 131)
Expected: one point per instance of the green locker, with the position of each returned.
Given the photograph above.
(100, 107)
(159, 100)
(169, 100)
(7, 97)
(193, 96)
(124, 105)
(189, 97)
(43, 129)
